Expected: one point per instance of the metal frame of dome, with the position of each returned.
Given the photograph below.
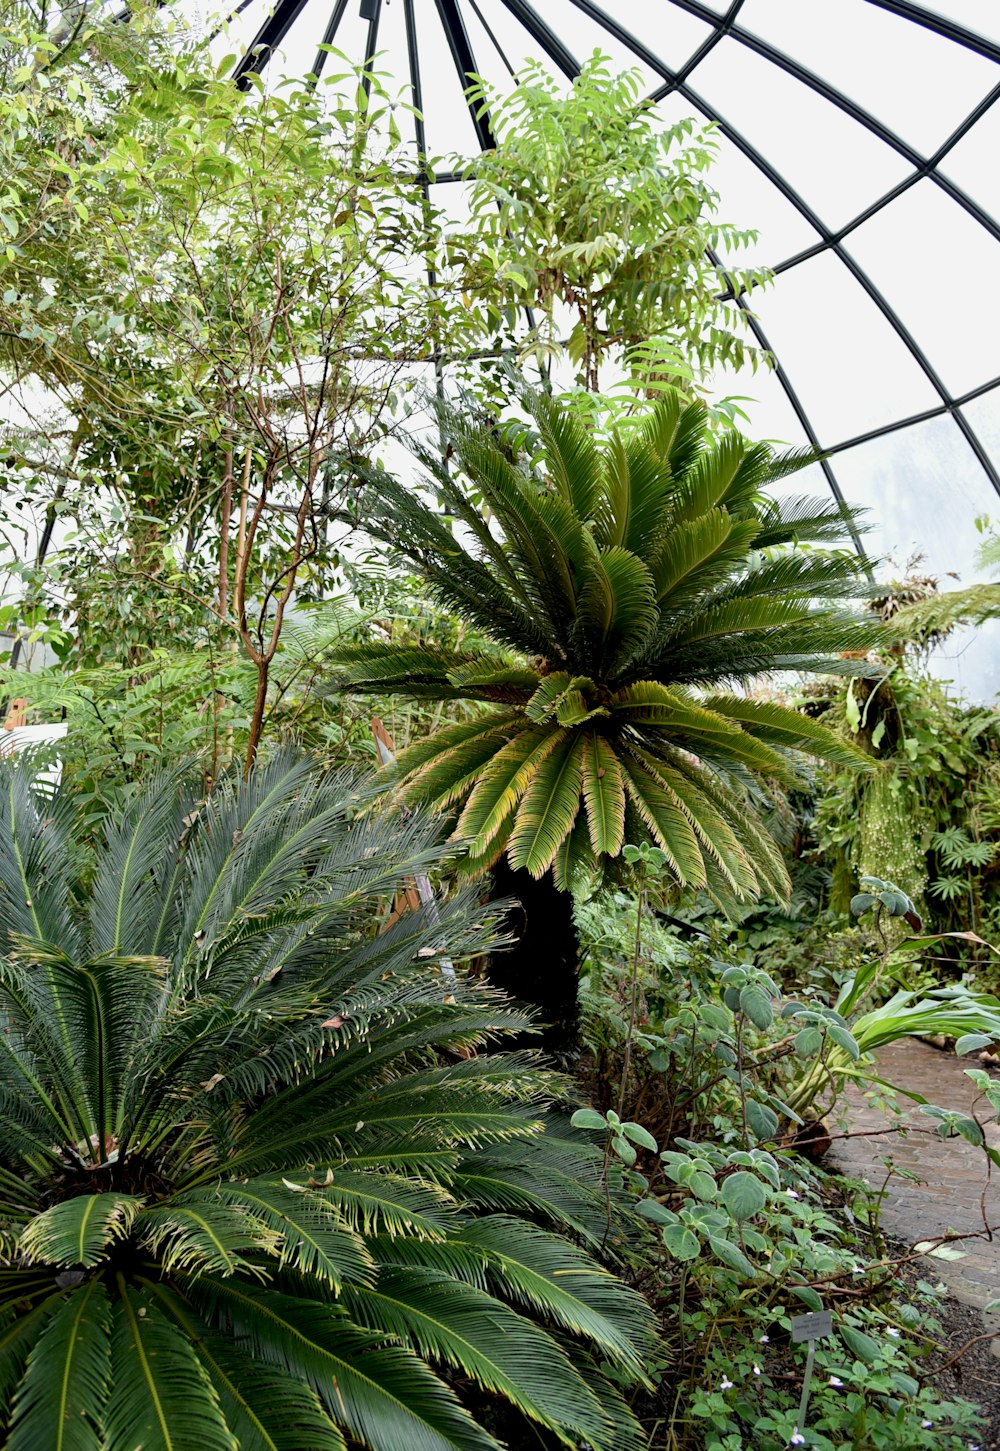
(724, 25)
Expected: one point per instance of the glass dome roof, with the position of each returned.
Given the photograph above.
(859, 137)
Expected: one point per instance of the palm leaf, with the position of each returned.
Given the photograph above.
(566, 1286)
(603, 795)
(503, 782)
(78, 1231)
(548, 807)
(265, 1409)
(163, 1399)
(479, 1336)
(381, 1394)
(60, 1401)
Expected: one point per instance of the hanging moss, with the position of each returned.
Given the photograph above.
(891, 843)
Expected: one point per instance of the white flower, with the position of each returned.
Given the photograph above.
(757, 1370)
(893, 1332)
(797, 1439)
(792, 1195)
(836, 1381)
(927, 1425)
(764, 1339)
(726, 1384)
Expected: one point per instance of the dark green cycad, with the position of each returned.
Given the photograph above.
(631, 587)
(255, 1191)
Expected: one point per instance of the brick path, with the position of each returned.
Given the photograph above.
(951, 1174)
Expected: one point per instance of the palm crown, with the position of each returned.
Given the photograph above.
(627, 587)
(254, 1181)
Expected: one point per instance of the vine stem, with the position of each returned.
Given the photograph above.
(640, 906)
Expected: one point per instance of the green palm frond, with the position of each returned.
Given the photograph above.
(631, 585)
(548, 807)
(235, 1175)
(265, 1409)
(79, 1231)
(383, 1394)
(470, 1330)
(940, 613)
(162, 1397)
(61, 1398)
(538, 1271)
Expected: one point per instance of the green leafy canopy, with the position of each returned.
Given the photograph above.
(629, 586)
(257, 1189)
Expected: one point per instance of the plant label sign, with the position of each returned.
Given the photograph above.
(813, 1326)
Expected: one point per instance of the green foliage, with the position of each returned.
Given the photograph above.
(739, 1231)
(593, 217)
(930, 818)
(256, 1186)
(623, 589)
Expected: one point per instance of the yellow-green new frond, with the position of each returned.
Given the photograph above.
(603, 795)
(548, 807)
(78, 1231)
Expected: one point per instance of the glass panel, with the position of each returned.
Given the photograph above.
(973, 162)
(831, 161)
(924, 488)
(970, 660)
(923, 95)
(930, 260)
(843, 359)
(984, 416)
(770, 416)
(749, 200)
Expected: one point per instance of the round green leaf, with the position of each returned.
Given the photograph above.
(844, 1039)
(743, 1195)
(757, 1006)
(681, 1242)
(588, 1118)
(808, 1042)
(763, 1121)
(640, 1136)
(860, 1344)
(731, 1255)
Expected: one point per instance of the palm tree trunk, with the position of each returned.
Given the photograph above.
(541, 969)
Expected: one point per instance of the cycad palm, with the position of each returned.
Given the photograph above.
(250, 1195)
(627, 587)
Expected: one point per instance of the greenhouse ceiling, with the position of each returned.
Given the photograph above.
(859, 137)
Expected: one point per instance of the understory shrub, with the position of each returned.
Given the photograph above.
(736, 1231)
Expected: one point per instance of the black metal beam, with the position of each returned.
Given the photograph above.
(542, 32)
(850, 108)
(329, 36)
(903, 186)
(489, 31)
(268, 38)
(941, 25)
(721, 26)
(465, 64)
(777, 180)
(371, 45)
(914, 418)
(801, 414)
